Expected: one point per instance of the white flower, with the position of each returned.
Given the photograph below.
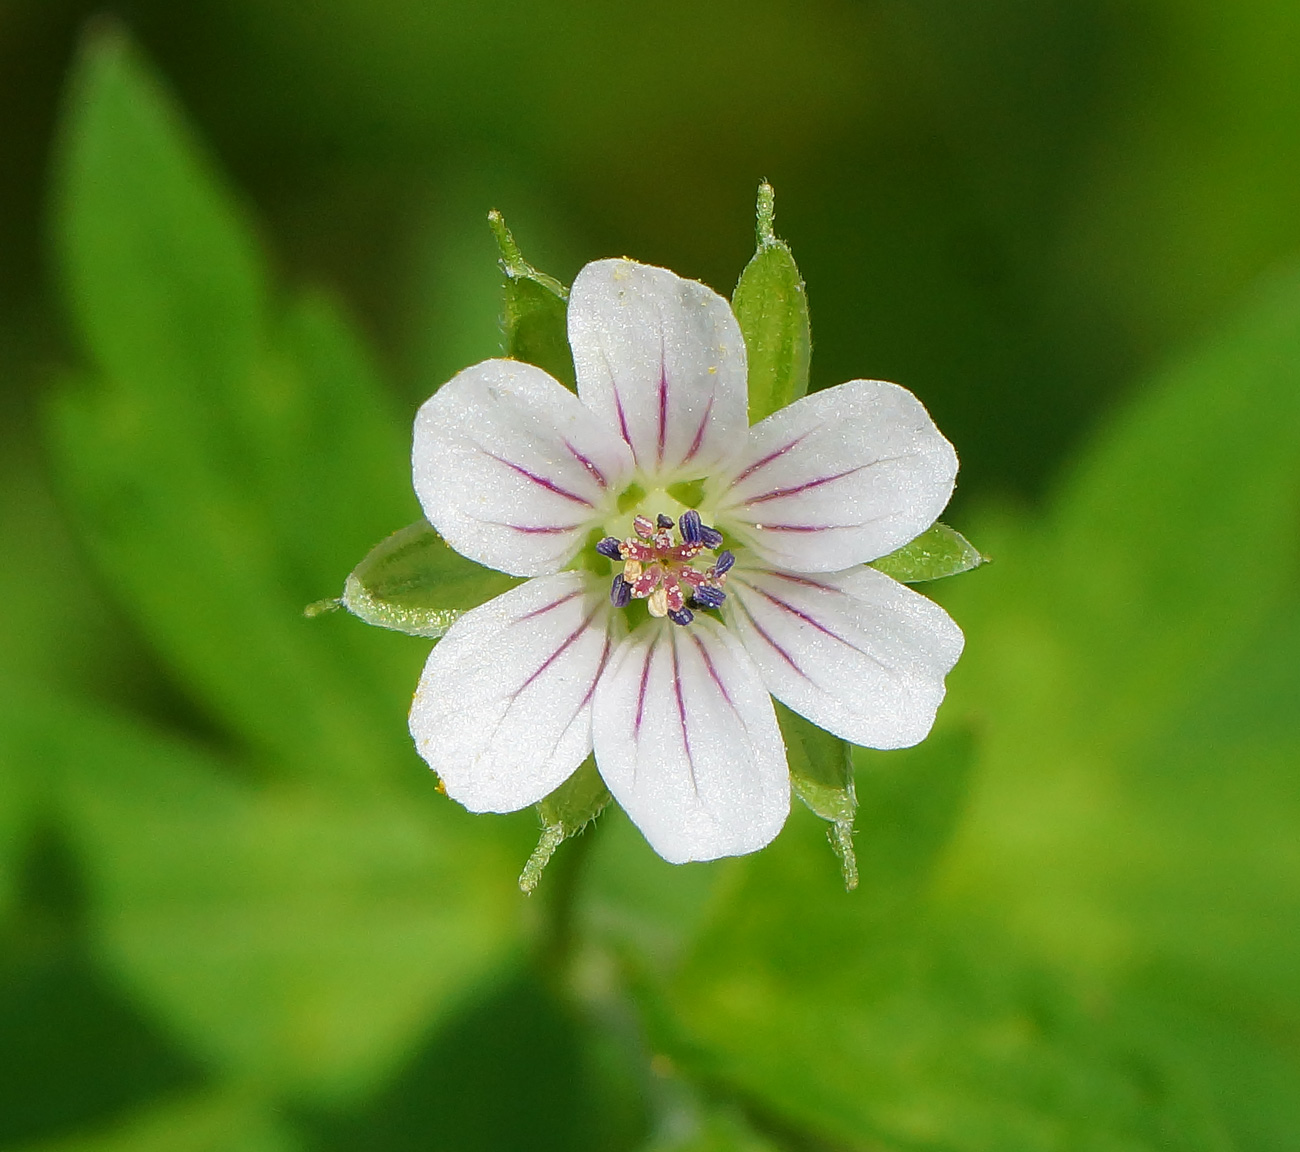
(520, 475)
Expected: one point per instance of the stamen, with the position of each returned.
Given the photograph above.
(690, 525)
(709, 596)
(660, 571)
(620, 592)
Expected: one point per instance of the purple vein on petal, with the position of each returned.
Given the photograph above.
(663, 407)
(793, 490)
(681, 718)
(806, 581)
(534, 530)
(578, 631)
(713, 675)
(596, 473)
(645, 679)
(546, 608)
(549, 485)
(622, 423)
(604, 659)
(763, 632)
(699, 432)
(766, 460)
(807, 619)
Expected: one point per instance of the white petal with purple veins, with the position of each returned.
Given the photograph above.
(687, 741)
(855, 652)
(503, 710)
(512, 469)
(839, 478)
(661, 360)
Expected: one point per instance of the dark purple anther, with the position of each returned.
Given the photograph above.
(690, 525)
(708, 597)
(724, 562)
(620, 592)
(710, 537)
(609, 547)
(664, 521)
(681, 616)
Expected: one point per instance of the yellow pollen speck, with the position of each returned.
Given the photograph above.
(658, 602)
(713, 371)
(631, 571)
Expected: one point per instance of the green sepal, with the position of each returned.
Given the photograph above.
(821, 773)
(687, 493)
(413, 582)
(564, 813)
(534, 321)
(772, 307)
(938, 552)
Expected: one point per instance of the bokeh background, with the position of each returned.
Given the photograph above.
(240, 240)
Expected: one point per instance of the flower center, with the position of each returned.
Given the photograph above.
(661, 571)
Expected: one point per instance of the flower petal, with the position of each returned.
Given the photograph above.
(503, 710)
(838, 478)
(855, 652)
(512, 470)
(661, 360)
(687, 741)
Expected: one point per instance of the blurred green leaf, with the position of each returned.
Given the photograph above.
(217, 1121)
(413, 582)
(300, 938)
(821, 773)
(772, 307)
(225, 469)
(938, 552)
(1151, 596)
(564, 813)
(534, 320)
(868, 1022)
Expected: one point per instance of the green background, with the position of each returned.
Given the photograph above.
(240, 240)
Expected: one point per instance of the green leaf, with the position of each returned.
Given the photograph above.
(534, 321)
(564, 813)
(414, 583)
(772, 307)
(821, 773)
(294, 936)
(877, 1022)
(223, 469)
(217, 1121)
(938, 552)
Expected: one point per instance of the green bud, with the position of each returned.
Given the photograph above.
(772, 308)
(534, 319)
(413, 582)
(564, 813)
(938, 552)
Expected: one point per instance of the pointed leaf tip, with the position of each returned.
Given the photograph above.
(771, 307)
(765, 214)
(938, 552)
(534, 320)
(414, 582)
